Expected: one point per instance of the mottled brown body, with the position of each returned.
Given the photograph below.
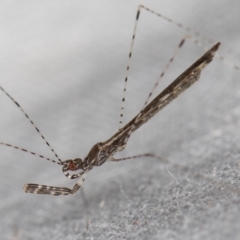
(104, 151)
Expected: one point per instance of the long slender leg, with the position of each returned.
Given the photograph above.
(30, 120)
(55, 191)
(165, 161)
(183, 169)
(128, 67)
(192, 32)
(28, 151)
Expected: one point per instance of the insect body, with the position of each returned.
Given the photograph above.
(104, 151)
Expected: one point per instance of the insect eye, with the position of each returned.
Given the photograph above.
(72, 166)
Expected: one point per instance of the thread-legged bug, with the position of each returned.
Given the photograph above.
(104, 151)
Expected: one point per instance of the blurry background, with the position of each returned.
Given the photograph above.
(64, 62)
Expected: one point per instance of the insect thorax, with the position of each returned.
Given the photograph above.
(96, 156)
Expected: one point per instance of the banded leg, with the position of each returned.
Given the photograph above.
(33, 124)
(55, 191)
(128, 68)
(30, 152)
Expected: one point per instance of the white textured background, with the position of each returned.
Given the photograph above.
(64, 62)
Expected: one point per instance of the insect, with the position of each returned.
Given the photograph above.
(104, 151)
